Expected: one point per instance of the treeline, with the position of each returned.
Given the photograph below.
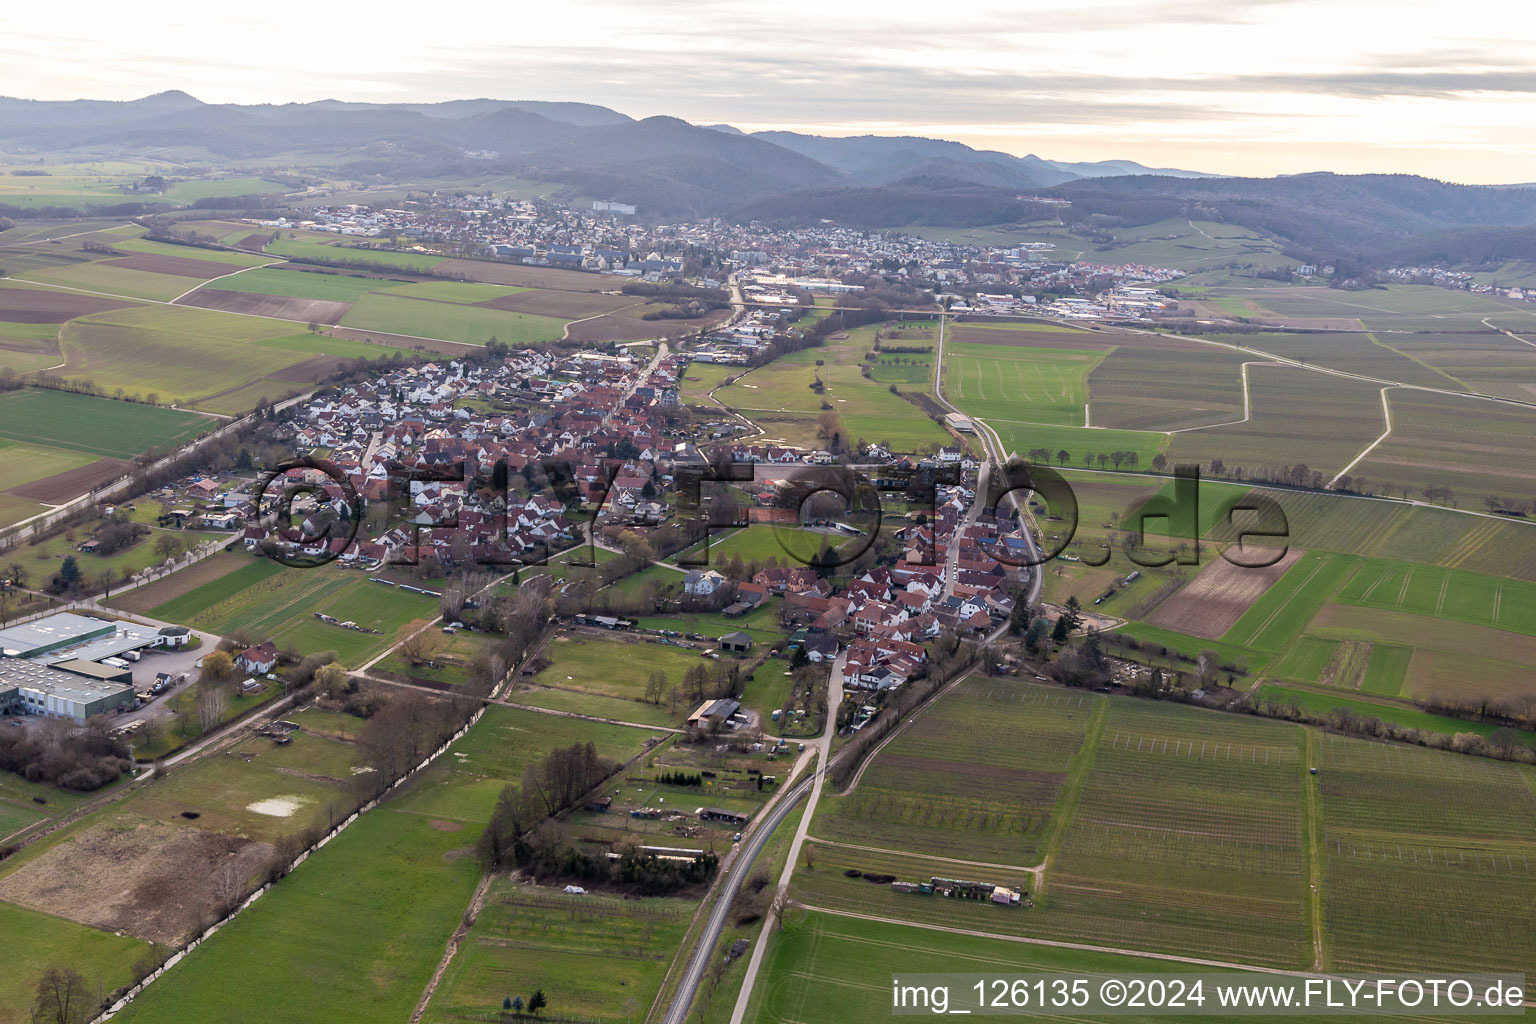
(60, 753)
(670, 291)
(522, 834)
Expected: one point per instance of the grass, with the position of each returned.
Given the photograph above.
(337, 253)
(595, 957)
(1321, 701)
(22, 462)
(1276, 618)
(299, 284)
(277, 603)
(189, 252)
(110, 280)
(96, 426)
(450, 321)
(105, 959)
(1021, 385)
(381, 899)
(780, 397)
(589, 663)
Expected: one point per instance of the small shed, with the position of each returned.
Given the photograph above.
(737, 642)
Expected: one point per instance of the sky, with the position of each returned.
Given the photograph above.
(1254, 87)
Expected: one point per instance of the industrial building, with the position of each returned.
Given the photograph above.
(70, 666)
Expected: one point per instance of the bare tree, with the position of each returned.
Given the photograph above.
(63, 997)
(212, 703)
(228, 887)
(417, 641)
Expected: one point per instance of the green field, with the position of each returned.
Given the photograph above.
(1283, 612)
(113, 280)
(909, 800)
(95, 426)
(278, 603)
(780, 397)
(340, 254)
(611, 667)
(22, 462)
(301, 284)
(189, 252)
(1323, 703)
(597, 956)
(104, 959)
(1020, 385)
(450, 321)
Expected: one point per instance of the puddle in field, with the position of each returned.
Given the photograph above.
(277, 806)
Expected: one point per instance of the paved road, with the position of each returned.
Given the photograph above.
(824, 749)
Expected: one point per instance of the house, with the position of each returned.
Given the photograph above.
(258, 660)
(737, 642)
(702, 582)
(821, 648)
(174, 636)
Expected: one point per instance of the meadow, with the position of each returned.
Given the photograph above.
(1170, 387)
(599, 957)
(104, 959)
(591, 663)
(1020, 385)
(348, 255)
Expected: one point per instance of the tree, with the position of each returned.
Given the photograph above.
(537, 1002)
(1159, 462)
(506, 1003)
(17, 573)
(517, 1004)
(63, 997)
(1061, 630)
(228, 886)
(166, 547)
(418, 641)
(69, 575)
(212, 703)
(218, 666)
(655, 687)
(332, 678)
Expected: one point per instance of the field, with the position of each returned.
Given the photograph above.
(1427, 853)
(195, 356)
(1020, 385)
(381, 900)
(1289, 604)
(1342, 416)
(277, 603)
(1173, 386)
(952, 786)
(1170, 795)
(1477, 448)
(105, 959)
(590, 663)
(780, 397)
(596, 956)
(95, 426)
(450, 321)
(1212, 603)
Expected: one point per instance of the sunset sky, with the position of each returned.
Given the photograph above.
(1247, 87)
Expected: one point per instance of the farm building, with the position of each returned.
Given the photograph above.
(713, 712)
(720, 814)
(737, 642)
